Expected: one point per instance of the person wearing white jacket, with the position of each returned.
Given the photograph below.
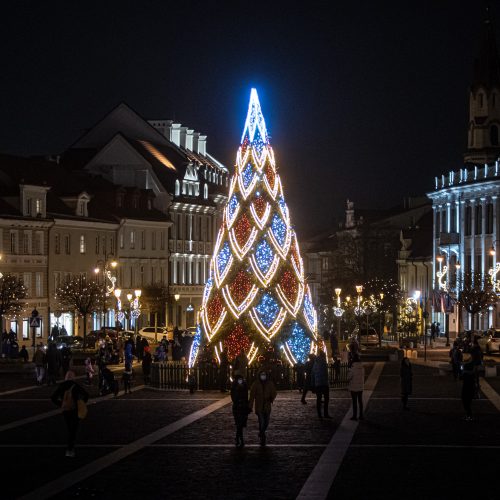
(356, 379)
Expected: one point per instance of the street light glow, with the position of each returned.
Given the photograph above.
(118, 292)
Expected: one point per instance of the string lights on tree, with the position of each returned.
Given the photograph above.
(256, 295)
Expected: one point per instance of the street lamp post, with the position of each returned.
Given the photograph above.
(338, 311)
(380, 320)
(358, 310)
(177, 297)
(104, 267)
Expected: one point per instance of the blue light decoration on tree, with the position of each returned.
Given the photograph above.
(264, 255)
(247, 175)
(279, 229)
(223, 257)
(233, 205)
(299, 343)
(268, 309)
(195, 346)
(256, 240)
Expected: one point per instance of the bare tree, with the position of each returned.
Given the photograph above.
(155, 297)
(79, 294)
(477, 294)
(12, 295)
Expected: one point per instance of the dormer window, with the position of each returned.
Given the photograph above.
(177, 188)
(82, 205)
(33, 200)
(205, 191)
(38, 206)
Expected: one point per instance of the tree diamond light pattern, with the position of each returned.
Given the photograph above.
(259, 292)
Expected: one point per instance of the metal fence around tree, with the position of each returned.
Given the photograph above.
(206, 376)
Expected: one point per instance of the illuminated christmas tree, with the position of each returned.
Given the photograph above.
(256, 296)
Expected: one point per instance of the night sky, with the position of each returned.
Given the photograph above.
(366, 100)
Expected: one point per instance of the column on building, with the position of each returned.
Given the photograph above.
(484, 254)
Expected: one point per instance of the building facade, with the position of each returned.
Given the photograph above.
(465, 202)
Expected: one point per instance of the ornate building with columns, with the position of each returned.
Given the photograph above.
(466, 202)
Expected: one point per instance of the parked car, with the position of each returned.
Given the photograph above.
(71, 341)
(149, 332)
(490, 341)
(368, 337)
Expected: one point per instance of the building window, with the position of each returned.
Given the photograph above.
(479, 219)
(97, 245)
(436, 225)
(453, 222)
(205, 191)
(494, 135)
(13, 242)
(122, 240)
(443, 221)
(67, 244)
(162, 240)
(29, 208)
(82, 243)
(27, 283)
(478, 268)
(27, 242)
(489, 218)
(468, 263)
(142, 275)
(153, 240)
(39, 284)
(112, 243)
(324, 263)
(480, 100)
(132, 239)
(186, 273)
(143, 240)
(57, 243)
(38, 243)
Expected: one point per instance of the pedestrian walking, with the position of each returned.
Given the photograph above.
(468, 389)
(356, 382)
(89, 370)
(65, 359)
(477, 361)
(223, 371)
(39, 360)
(139, 347)
(406, 376)
(241, 409)
(23, 354)
(438, 330)
(319, 380)
(146, 365)
(53, 360)
(127, 378)
(456, 360)
(71, 398)
(334, 343)
(262, 396)
(433, 331)
(129, 357)
(240, 364)
(307, 381)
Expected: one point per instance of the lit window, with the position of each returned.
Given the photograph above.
(82, 243)
(132, 239)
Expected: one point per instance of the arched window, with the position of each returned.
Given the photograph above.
(205, 191)
(184, 187)
(177, 188)
(494, 135)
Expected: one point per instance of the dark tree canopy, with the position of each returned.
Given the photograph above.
(478, 293)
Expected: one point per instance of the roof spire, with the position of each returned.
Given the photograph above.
(487, 68)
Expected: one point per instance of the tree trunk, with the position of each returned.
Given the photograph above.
(84, 328)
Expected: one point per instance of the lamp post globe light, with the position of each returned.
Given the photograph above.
(338, 311)
(358, 310)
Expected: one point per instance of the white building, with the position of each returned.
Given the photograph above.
(466, 202)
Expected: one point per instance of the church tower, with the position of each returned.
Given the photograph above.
(483, 141)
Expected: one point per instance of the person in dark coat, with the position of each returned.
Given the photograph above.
(241, 409)
(139, 348)
(319, 380)
(53, 359)
(66, 397)
(468, 389)
(307, 381)
(240, 364)
(146, 365)
(334, 343)
(23, 354)
(223, 371)
(406, 382)
(65, 359)
(262, 395)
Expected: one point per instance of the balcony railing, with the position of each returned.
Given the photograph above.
(449, 239)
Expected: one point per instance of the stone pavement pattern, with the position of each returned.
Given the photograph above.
(428, 452)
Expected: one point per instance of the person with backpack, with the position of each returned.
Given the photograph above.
(319, 380)
(72, 399)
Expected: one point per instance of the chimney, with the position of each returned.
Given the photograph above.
(175, 133)
(189, 139)
(202, 145)
(196, 135)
